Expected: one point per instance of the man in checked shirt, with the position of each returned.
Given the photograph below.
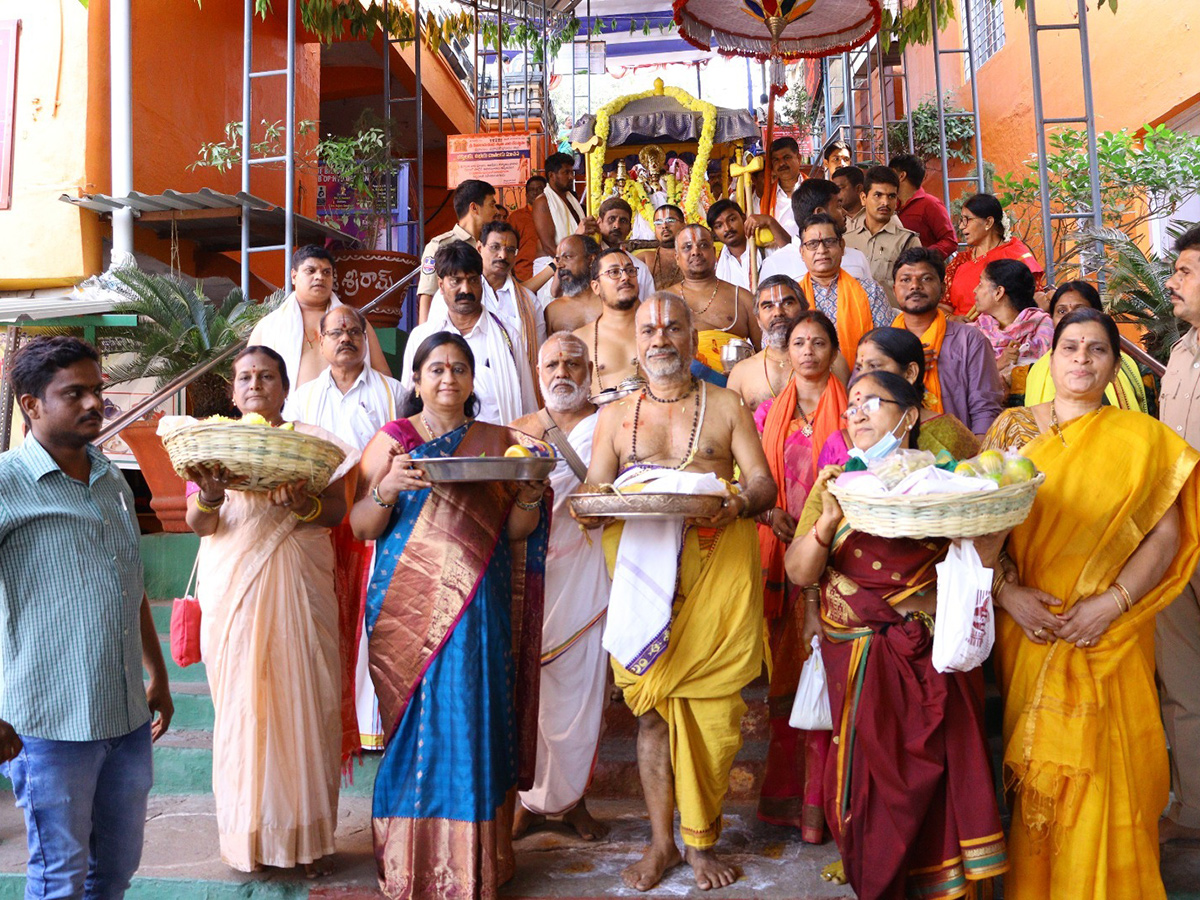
(75, 634)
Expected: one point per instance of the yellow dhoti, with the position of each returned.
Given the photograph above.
(714, 650)
(708, 347)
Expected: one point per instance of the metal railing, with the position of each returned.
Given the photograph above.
(177, 384)
(1141, 357)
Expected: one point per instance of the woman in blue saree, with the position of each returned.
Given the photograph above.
(454, 614)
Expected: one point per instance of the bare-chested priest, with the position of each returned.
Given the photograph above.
(685, 637)
(611, 339)
(668, 220)
(777, 303)
(721, 310)
(578, 304)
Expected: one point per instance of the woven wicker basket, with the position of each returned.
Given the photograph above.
(266, 456)
(939, 515)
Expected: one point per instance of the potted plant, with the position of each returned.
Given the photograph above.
(178, 329)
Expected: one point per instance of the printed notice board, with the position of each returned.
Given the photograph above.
(502, 160)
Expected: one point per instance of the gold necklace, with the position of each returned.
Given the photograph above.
(767, 374)
(1054, 423)
(700, 313)
(806, 429)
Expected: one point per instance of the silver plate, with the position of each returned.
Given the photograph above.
(487, 468)
(626, 388)
(646, 503)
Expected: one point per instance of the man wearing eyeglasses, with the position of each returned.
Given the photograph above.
(961, 377)
(854, 305)
(611, 338)
(668, 221)
(352, 401)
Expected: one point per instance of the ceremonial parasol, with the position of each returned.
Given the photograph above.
(777, 31)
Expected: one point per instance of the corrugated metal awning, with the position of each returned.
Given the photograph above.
(53, 303)
(211, 219)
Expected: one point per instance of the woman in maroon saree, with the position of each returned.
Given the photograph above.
(908, 789)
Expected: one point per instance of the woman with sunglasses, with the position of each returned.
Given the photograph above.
(908, 785)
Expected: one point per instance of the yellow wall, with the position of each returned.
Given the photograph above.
(44, 242)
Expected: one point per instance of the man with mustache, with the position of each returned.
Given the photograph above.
(721, 310)
(611, 338)
(816, 195)
(503, 380)
(78, 721)
(961, 377)
(578, 304)
(668, 220)
(474, 206)
(293, 330)
(614, 224)
(574, 663)
(734, 230)
(878, 232)
(1177, 629)
(352, 401)
(685, 612)
(777, 303)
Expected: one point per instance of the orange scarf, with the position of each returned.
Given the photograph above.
(853, 312)
(931, 340)
(825, 420)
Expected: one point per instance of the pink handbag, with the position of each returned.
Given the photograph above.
(185, 625)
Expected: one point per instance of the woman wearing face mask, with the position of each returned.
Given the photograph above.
(1127, 392)
(908, 785)
(794, 426)
(899, 351)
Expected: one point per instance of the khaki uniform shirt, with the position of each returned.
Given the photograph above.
(429, 283)
(881, 248)
(1179, 400)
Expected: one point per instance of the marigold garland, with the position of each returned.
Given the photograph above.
(704, 146)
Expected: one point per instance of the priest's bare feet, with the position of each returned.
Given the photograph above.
(585, 826)
(710, 870)
(524, 821)
(650, 869)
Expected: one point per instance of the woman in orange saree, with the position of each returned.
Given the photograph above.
(794, 427)
(908, 786)
(1112, 538)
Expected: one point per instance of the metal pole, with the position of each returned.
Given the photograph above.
(419, 103)
(121, 123)
(289, 165)
(749, 88)
(247, 59)
(480, 71)
(972, 48)
(871, 104)
(525, 59)
(12, 340)
(941, 108)
(848, 105)
(1089, 112)
(499, 66)
(699, 87)
(1039, 124)
(883, 100)
(912, 141)
(387, 98)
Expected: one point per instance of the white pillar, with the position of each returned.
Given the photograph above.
(121, 125)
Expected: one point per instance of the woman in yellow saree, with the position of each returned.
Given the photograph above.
(1111, 540)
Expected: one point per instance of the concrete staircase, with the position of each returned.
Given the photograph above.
(181, 857)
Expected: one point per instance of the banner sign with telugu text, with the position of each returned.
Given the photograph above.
(502, 160)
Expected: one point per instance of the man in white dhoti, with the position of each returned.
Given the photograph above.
(293, 330)
(503, 380)
(351, 401)
(573, 662)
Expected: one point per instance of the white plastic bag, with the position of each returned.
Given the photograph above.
(965, 627)
(810, 710)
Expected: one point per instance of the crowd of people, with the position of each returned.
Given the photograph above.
(468, 631)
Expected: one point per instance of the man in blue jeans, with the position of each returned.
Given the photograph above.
(75, 632)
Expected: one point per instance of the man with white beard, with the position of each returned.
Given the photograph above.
(573, 662)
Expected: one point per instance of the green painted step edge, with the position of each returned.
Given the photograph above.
(167, 563)
(12, 887)
(191, 674)
(193, 712)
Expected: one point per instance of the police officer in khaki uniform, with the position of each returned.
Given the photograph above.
(475, 206)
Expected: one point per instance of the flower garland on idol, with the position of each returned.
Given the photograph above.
(704, 147)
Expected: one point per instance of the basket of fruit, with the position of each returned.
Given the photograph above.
(250, 448)
(961, 506)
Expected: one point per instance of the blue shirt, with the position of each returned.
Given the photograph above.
(70, 600)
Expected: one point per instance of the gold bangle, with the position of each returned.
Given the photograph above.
(379, 500)
(1124, 593)
(312, 514)
(205, 508)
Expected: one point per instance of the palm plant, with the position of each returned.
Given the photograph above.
(178, 329)
(1135, 283)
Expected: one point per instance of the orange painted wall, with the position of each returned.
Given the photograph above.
(43, 242)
